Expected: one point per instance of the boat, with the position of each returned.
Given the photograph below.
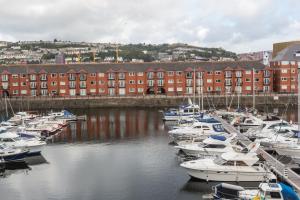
(8, 154)
(211, 146)
(266, 191)
(64, 114)
(230, 166)
(200, 129)
(19, 117)
(182, 113)
(34, 145)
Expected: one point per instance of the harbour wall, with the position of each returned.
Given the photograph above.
(217, 101)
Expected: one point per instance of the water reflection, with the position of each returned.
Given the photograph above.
(113, 124)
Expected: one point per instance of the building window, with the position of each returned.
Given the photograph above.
(209, 73)
(131, 82)
(284, 71)
(218, 72)
(82, 92)
(160, 83)
(101, 82)
(15, 92)
(43, 84)
(248, 72)
(92, 82)
(218, 81)
(160, 74)
(150, 75)
(100, 74)
(131, 74)
(122, 83)
(44, 92)
(32, 84)
(15, 76)
(111, 83)
(248, 80)
(43, 77)
(92, 90)
(82, 84)
(15, 84)
(284, 79)
(72, 84)
(189, 75)
(111, 75)
(72, 77)
(170, 73)
(62, 83)
(32, 77)
(171, 81)
(23, 83)
(140, 73)
(53, 83)
(228, 82)
(121, 75)
(199, 74)
(92, 74)
(33, 93)
(23, 75)
(293, 70)
(150, 83)
(23, 91)
(61, 75)
(140, 90)
(62, 91)
(131, 89)
(101, 90)
(248, 88)
(179, 89)
(170, 89)
(4, 77)
(266, 81)
(72, 92)
(82, 77)
(257, 80)
(266, 73)
(53, 75)
(178, 73)
(140, 82)
(209, 80)
(179, 81)
(189, 82)
(228, 74)
(238, 74)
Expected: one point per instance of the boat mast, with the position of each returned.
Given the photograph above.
(253, 87)
(5, 101)
(202, 106)
(194, 98)
(298, 101)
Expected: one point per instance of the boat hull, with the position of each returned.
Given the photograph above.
(228, 176)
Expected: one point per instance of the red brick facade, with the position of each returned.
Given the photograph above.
(135, 79)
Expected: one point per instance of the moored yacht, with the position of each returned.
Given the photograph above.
(211, 146)
(231, 166)
(8, 154)
(200, 129)
(34, 145)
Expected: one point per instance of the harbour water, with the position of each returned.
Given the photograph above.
(114, 154)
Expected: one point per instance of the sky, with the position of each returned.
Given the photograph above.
(235, 25)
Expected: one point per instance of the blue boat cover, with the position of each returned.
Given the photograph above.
(288, 193)
(218, 137)
(67, 113)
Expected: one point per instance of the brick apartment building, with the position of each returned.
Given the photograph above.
(108, 79)
(285, 68)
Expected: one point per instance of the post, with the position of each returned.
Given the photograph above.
(253, 88)
(298, 99)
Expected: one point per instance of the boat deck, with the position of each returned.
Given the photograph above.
(283, 170)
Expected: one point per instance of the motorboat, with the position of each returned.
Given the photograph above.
(34, 145)
(200, 129)
(211, 146)
(184, 111)
(266, 191)
(8, 154)
(230, 166)
(19, 117)
(268, 128)
(246, 121)
(64, 115)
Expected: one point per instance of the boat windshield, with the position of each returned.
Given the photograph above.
(219, 161)
(218, 127)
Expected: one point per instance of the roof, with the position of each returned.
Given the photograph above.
(131, 67)
(288, 54)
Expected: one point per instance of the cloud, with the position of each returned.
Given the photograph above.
(237, 25)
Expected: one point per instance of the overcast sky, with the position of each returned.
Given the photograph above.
(237, 25)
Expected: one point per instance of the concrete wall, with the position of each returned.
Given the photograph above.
(148, 101)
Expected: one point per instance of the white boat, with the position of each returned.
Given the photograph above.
(201, 129)
(268, 128)
(34, 145)
(64, 114)
(231, 166)
(8, 154)
(211, 146)
(19, 117)
(266, 191)
(182, 113)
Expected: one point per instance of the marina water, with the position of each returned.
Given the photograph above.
(114, 154)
